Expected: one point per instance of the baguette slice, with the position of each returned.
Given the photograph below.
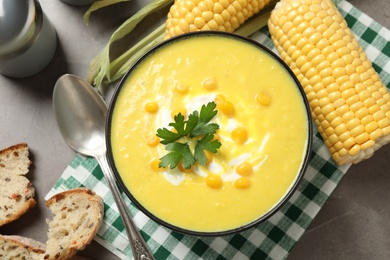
(78, 215)
(17, 192)
(17, 247)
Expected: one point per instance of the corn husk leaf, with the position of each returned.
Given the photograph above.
(98, 5)
(100, 65)
(120, 65)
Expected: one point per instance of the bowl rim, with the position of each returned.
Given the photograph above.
(277, 206)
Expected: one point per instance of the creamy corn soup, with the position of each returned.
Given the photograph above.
(263, 129)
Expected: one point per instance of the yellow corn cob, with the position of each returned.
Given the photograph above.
(349, 103)
(219, 15)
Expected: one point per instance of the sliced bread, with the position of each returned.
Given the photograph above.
(22, 248)
(78, 215)
(17, 192)
(17, 247)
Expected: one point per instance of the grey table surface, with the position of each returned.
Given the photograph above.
(353, 224)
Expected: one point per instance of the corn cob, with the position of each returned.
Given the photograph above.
(220, 15)
(349, 103)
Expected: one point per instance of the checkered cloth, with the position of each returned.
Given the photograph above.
(273, 239)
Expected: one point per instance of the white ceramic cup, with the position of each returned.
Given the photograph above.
(31, 45)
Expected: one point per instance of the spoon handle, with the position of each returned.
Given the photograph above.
(138, 246)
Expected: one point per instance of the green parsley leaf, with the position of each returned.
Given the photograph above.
(206, 114)
(180, 151)
(206, 144)
(197, 125)
(167, 136)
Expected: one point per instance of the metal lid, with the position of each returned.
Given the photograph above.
(20, 24)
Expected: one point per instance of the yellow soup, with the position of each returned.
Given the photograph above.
(263, 131)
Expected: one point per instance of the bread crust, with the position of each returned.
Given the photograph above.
(24, 248)
(17, 193)
(17, 247)
(80, 210)
(15, 151)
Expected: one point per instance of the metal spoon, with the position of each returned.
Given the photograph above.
(81, 116)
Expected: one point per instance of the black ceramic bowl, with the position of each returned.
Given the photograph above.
(261, 217)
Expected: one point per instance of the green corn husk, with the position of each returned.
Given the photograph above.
(100, 67)
(98, 5)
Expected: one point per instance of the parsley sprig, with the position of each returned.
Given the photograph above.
(196, 129)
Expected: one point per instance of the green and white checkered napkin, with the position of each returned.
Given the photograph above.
(270, 240)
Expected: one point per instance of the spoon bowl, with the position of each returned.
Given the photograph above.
(81, 117)
(80, 114)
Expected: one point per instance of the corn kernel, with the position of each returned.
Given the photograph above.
(333, 96)
(386, 130)
(367, 145)
(152, 140)
(362, 112)
(363, 137)
(343, 152)
(352, 100)
(263, 98)
(376, 134)
(239, 135)
(371, 127)
(367, 119)
(219, 98)
(199, 22)
(154, 165)
(340, 129)
(151, 107)
(328, 80)
(218, 8)
(344, 80)
(213, 180)
(333, 139)
(339, 104)
(226, 107)
(244, 169)
(369, 102)
(352, 123)
(327, 109)
(332, 115)
(325, 124)
(181, 88)
(329, 130)
(348, 117)
(209, 83)
(189, 18)
(336, 121)
(357, 130)
(384, 122)
(341, 110)
(242, 183)
(349, 143)
(354, 150)
(379, 115)
(207, 16)
(338, 145)
(184, 26)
